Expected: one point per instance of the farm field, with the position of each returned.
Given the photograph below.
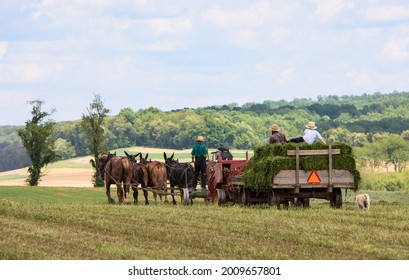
(47, 223)
(77, 172)
(66, 219)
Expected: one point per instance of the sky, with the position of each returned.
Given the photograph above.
(174, 54)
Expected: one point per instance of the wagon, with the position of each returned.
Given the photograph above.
(295, 186)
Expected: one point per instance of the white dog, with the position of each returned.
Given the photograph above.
(362, 201)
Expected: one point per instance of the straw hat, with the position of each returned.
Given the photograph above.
(200, 138)
(274, 127)
(311, 125)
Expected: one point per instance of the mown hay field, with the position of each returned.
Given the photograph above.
(47, 223)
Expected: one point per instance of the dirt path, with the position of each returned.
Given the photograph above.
(58, 177)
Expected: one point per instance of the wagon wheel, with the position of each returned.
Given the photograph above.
(233, 195)
(336, 198)
(219, 197)
(185, 196)
(244, 197)
(274, 198)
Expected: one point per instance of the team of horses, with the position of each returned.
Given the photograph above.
(127, 173)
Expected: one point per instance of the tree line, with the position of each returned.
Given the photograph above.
(367, 122)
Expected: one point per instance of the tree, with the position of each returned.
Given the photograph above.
(37, 139)
(397, 150)
(64, 149)
(92, 125)
(385, 150)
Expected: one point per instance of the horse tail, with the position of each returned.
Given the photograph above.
(126, 168)
(127, 174)
(162, 177)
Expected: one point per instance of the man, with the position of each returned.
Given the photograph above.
(276, 136)
(199, 154)
(310, 135)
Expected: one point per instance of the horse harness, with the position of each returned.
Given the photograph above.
(182, 175)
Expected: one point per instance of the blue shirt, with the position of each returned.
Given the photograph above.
(199, 150)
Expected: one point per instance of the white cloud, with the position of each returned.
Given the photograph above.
(232, 50)
(226, 18)
(171, 25)
(27, 72)
(397, 49)
(255, 15)
(387, 13)
(327, 10)
(361, 79)
(286, 75)
(3, 48)
(366, 80)
(277, 34)
(165, 46)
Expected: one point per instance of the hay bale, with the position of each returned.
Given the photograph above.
(269, 160)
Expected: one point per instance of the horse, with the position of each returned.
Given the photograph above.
(179, 174)
(115, 170)
(139, 176)
(157, 175)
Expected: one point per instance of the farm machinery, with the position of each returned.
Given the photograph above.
(281, 174)
(222, 171)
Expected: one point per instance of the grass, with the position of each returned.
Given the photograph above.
(68, 163)
(73, 223)
(12, 177)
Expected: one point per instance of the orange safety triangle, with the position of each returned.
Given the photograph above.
(314, 178)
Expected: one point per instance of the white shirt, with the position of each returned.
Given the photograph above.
(311, 135)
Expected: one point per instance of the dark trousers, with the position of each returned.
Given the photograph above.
(297, 140)
(200, 169)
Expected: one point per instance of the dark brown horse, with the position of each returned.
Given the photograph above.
(157, 177)
(139, 176)
(179, 174)
(115, 170)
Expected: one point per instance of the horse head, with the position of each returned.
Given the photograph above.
(166, 157)
(102, 162)
(144, 160)
(169, 160)
(131, 157)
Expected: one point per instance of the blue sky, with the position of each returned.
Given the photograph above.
(181, 53)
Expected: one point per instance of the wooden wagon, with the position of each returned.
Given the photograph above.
(291, 186)
(298, 186)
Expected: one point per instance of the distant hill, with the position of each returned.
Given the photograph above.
(353, 120)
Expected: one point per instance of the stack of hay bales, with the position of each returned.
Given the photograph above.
(270, 159)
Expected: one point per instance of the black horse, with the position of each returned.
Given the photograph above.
(179, 174)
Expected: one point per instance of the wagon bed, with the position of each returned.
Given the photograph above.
(298, 186)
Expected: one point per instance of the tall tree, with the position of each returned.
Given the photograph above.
(37, 138)
(92, 124)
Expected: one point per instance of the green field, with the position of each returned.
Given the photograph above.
(74, 223)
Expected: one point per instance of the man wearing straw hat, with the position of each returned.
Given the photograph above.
(310, 135)
(199, 154)
(276, 136)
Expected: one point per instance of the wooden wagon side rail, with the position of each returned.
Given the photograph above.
(297, 153)
(313, 152)
(340, 178)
